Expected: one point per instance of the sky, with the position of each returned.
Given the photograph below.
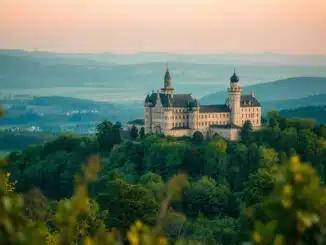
(181, 26)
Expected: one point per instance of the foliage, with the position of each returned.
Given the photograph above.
(131, 184)
(245, 133)
(108, 135)
(133, 132)
(295, 208)
(142, 133)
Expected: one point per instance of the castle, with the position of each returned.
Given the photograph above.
(169, 113)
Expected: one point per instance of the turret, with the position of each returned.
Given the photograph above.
(234, 99)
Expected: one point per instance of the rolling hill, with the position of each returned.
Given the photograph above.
(314, 100)
(317, 113)
(285, 89)
(127, 78)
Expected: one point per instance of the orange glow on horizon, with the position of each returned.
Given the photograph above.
(196, 26)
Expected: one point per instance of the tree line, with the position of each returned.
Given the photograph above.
(234, 191)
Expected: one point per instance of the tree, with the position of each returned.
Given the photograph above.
(273, 118)
(246, 132)
(258, 186)
(133, 132)
(216, 159)
(295, 210)
(198, 137)
(108, 135)
(127, 203)
(142, 132)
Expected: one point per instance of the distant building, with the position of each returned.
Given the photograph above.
(169, 113)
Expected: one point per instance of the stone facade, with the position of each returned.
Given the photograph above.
(169, 113)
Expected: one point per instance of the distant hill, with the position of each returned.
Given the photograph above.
(159, 57)
(314, 100)
(127, 78)
(286, 89)
(57, 110)
(313, 112)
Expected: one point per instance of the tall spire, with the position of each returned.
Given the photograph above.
(167, 78)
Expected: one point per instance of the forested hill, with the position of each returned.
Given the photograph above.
(223, 178)
(313, 100)
(291, 88)
(317, 113)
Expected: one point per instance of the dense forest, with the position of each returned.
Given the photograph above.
(155, 189)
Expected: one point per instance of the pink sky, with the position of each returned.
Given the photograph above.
(194, 26)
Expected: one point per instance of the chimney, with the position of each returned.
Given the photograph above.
(252, 94)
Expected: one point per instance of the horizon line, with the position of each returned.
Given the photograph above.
(158, 52)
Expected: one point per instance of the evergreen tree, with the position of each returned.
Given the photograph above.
(246, 132)
(133, 132)
(142, 133)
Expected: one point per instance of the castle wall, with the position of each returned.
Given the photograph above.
(148, 119)
(207, 119)
(253, 114)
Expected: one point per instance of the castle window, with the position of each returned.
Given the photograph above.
(187, 116)
(183, 116)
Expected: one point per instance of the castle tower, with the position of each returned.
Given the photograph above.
(167, 82)
(148, 114)
(234, 98)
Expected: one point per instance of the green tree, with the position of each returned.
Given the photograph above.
(295, 209)
(258, 186)
(246, 131)
(133, 132)
(206, 197)
(273, 119)
(216, 159)
(108, 135)
(127, 203)
(142, 133)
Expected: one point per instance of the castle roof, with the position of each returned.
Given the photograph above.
(234, 78)
(249, 100)
(175, 100)
(213, 108)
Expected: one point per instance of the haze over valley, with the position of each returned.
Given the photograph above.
(127, 78)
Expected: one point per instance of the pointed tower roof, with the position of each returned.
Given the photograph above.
(167, 77)
(147, 100)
